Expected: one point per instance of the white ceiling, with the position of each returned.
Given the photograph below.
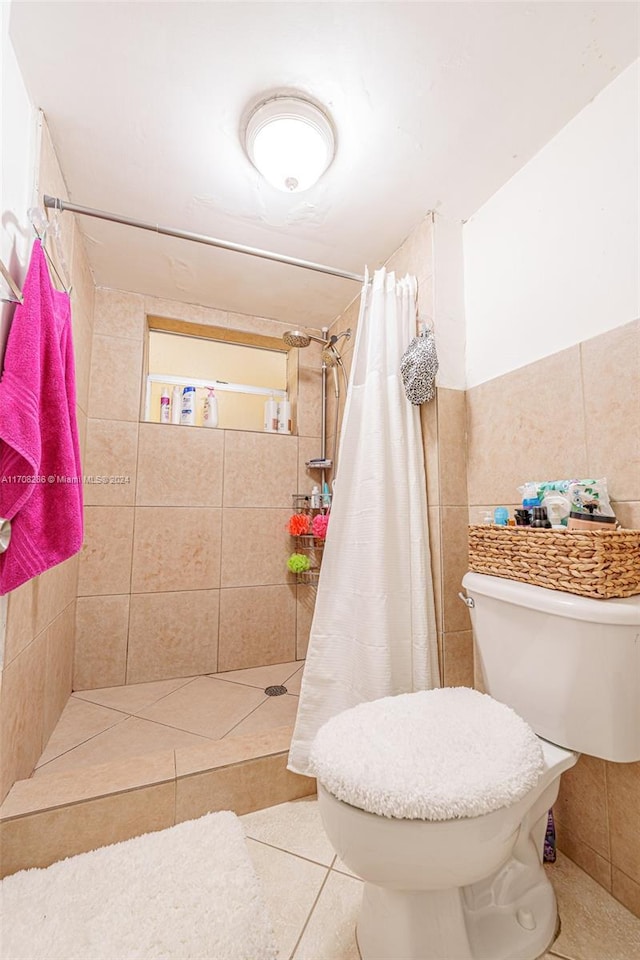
(436, 105)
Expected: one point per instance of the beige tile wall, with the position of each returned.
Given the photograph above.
(38, 662)
(184, 565)
(574, 413)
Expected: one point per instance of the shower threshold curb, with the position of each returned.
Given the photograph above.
(54, 816)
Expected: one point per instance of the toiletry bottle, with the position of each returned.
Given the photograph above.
(210, 415)
(176, 404)
(188, 412)
(500, 516)
(284, 416)
(271, 415)
(540, 518)
(530, 497)
(165, 406)
(326, 496)
(315, 498)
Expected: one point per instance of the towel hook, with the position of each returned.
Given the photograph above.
(5, 534)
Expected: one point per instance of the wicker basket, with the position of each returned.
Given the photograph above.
(592, 563)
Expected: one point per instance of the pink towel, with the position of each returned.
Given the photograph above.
(40, 470)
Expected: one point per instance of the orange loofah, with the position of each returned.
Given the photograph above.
(299, 524)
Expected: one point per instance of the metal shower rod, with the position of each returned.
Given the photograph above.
(57, 204)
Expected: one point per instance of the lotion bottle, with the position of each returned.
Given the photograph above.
(210, 415)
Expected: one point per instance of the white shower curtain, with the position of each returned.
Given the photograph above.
(373, 632)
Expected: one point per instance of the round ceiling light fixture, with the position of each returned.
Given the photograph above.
(290, 141)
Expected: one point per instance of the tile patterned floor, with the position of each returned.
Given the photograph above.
(314, 901)
(114, 723)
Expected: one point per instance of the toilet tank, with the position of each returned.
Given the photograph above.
(569, 665)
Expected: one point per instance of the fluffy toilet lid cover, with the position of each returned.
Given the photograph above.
(432, 755)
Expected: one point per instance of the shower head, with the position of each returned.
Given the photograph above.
(300, 338)
(296, 338)
(330, 356)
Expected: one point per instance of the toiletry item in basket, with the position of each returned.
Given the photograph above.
(590, 497)
(523, 517)
(558, 507)
(529, 495)
(540, 519)
(326, 496)
(590, 521)
(165, 406)
(582, 496)
(315, 498)
(210, 413)
(500, 516)
(188, 410)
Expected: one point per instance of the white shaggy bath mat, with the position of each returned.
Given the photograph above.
(189, 893)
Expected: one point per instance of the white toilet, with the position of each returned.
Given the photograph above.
(439, 799)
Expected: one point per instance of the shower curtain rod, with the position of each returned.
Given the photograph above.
(57, 204)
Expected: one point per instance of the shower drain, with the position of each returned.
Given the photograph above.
(275, 691)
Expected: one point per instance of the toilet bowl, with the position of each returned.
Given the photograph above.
(452, 888)
(438, 799)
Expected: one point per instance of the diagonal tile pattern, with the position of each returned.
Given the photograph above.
(114, 723)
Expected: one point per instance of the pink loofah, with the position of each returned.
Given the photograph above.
(319, 525)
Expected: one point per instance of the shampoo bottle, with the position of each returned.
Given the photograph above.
(315, 498)
(284, 416)
(188, 412)
(271, 416)
(176, 404)
(165, 406)
(210, 416)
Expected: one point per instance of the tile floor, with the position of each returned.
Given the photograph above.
(314, 900)
(113, 723)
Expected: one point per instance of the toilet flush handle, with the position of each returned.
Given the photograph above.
(470, 602)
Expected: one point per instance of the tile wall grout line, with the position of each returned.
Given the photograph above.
(220, 531)
(133, 540)
(609, 856)
(584, 408)
(175, 787)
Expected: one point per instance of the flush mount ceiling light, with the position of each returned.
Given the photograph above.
(290, 141)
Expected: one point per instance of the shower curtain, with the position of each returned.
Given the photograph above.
(373, 632)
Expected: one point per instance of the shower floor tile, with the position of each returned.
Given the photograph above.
(113, 723)
(272, 712)
(132, 737)
(206, 706)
